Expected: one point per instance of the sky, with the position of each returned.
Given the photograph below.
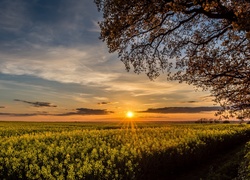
(54, 67)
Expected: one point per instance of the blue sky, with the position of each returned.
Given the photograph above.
(54, 67)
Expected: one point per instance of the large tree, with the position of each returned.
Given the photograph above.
(201, 42)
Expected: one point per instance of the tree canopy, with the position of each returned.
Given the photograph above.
(201, 42)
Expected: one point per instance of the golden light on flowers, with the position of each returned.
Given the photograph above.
(129, 114)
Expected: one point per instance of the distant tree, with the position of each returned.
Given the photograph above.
(205, 120)
(216, 121)
(201, 42)
(211, 120)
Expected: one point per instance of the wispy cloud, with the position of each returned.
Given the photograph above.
(190, 102)
(65, 65)
(13, 16)
(57, 45)
(103, 103)
(101, 98)
(43, 22)
(167, 110)
(37, 104)
(207, 98)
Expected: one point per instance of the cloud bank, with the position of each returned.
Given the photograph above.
(78, 111)
(167, 110)
(86, 111)
(19, 114)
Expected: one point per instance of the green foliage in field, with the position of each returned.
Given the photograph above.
(74, 151)
(244, 171)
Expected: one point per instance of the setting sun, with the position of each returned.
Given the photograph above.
(130, 114)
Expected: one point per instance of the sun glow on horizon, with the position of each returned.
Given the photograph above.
(129, 114)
